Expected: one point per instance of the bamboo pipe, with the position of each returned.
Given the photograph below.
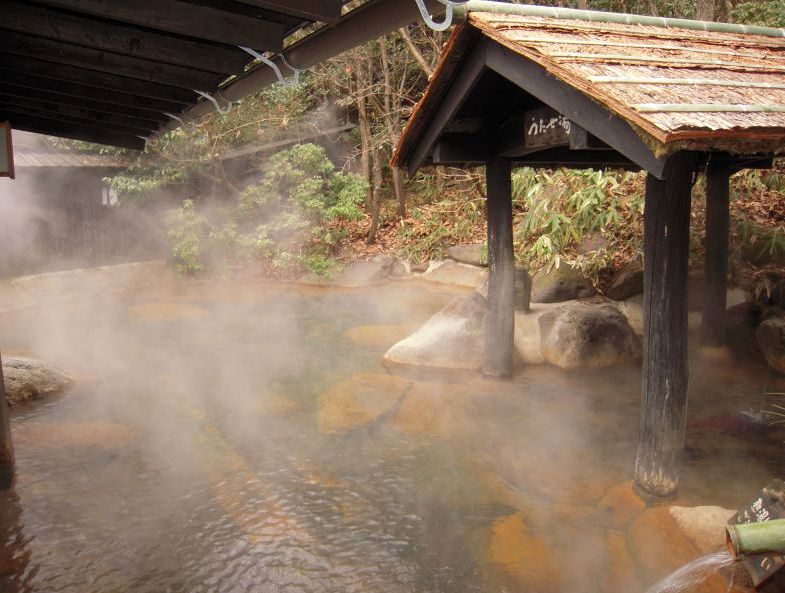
(756, 538)
(462, 10)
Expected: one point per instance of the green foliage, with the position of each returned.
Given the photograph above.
(290, 220)
(186, 230)
(557, 210)
(765, 13)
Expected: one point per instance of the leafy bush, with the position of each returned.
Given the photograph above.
(186, 230)
(290, 220)
(765, 13)
(555, 211)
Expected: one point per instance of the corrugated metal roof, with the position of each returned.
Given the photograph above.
(67, 159)
(675, 84)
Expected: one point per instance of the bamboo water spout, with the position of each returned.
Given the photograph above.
(756, 538)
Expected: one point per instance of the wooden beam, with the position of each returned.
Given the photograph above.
(186, 19)
(104, 121)
(325, 11)
(465, 81)
(716, 260)
(6, 444)
(90, 93)
(500, 316)
(100, 61)
(20, 105)
(119, 39)
(38, 96)
(460, 149)
(91, 78)
(574, 105)
(75, 132)
(665, 371)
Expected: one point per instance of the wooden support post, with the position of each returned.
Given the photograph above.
(500, 319)
(665, 368)
(716, 270)
(6, 446)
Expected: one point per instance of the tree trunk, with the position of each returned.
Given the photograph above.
(665, 370)
(376, 196)
(424, 65)
(6, 445)
(500, 316)
(400, 192)
(705, 10)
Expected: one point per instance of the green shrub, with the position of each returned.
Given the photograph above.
(186, 230)
(290, 220)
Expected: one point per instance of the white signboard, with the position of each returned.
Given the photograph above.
(6, 151)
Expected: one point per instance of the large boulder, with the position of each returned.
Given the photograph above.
(628, 283)
(587, 335)
(474, 255)
(365, 273)
(27, 379)
(771, 339)
(741, 322)
(457, 274)
(560, 284)
(362, 400)
(703, 526)
(452, 339)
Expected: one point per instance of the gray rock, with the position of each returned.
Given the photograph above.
(628, 283)
(420, 268)
(741, 323)
(588, 335)
(771, 339)
(457, 274)
(27, 379)
(452, 339)
(474, 255)
(365, 273)
(560, 284)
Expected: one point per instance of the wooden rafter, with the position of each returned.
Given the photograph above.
(99, 80)
(15, 44)
(181, 18)
(25, 93)
(326, 11)
(74, 131)
(38, 22)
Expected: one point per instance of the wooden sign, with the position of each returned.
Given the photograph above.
(542, 129)
(546, 128)
(767, 505)
(6, 151)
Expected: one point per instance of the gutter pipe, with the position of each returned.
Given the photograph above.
(360, 26)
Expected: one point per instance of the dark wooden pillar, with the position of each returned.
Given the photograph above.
(6, 446)
(665, 370)
(500, 319)
(717, 227)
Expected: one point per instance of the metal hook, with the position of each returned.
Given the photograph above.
(296, 71)
(265, 60)
(214, 102)
(448, 14)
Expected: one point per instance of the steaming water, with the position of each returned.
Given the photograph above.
(693, 573)
(199, 452)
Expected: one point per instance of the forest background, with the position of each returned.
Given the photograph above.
(300, 211)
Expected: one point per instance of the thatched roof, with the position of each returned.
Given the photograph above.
(677, 88)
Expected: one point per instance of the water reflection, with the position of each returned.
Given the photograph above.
(15, 570)
(231, 441)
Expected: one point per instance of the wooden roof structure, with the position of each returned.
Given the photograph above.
(642, 91)
(116, 72)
